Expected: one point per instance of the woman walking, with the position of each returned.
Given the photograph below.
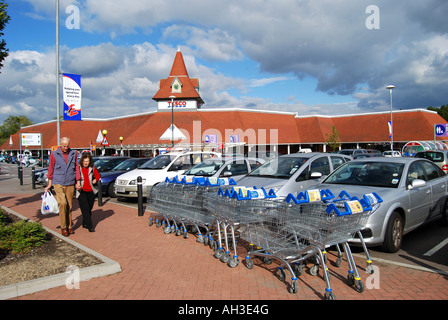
(86, 191)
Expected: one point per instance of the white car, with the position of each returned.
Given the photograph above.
(157, 170)
(391, 154)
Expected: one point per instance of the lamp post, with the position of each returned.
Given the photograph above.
(104, 132)
(121, 146)
(390, 88)
(172, 120)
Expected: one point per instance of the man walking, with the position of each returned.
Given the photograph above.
(63, 173)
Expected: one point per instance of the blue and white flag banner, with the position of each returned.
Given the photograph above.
(71, 84)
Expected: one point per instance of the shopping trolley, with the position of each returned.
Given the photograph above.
(230, 211)
(320, 224)
(179, 204)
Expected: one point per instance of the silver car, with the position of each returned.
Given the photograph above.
(293, 172)
(414, 192)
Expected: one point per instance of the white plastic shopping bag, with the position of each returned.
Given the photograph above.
(49, 204)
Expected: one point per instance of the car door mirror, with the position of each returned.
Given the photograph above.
(316, 175)
(227, 174)
(417, 183)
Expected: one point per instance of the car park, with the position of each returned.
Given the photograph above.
(157, 170)
(108, 177)
(439, 157)
(226, 167)
(351, 152)
(293, 172)
(413, 192)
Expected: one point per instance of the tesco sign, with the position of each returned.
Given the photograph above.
(178, 104)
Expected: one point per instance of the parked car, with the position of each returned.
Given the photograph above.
(439, 157)
(40, 176)
(414, 192)
(108, 177)
(107, 163)
(293, 172)
(228, 167)
(351, 152)
(391, 154)
(374, 151)
(366, 155)
(157, 170)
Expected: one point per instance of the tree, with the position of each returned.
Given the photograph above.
(11, 125)
(4, 19)
(442, 111)
(333, 140)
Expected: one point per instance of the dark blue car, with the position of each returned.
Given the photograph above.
(108, 177)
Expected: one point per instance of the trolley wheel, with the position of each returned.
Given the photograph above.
(167, 230)
(298, 269)
(359, 286)
(218, 253)
(338, 262)
(329, 296)
(211, 243)
(249, 263)
(150, 222)
(158, 224)
(314, 270)
(281, 275)
(225, 258)
(185, 235)
(200, 239)
(206, 239)
(294, 287)
(370, 269)
(233, 262)
(178, 232)
(267, 260)
(351, 279)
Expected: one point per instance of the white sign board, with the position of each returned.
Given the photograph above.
(178, 105)
(30, 139)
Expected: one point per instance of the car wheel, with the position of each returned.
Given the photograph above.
(394, 233)
(110, 191)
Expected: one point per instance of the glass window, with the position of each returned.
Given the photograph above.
(320, 165)
(432, 171)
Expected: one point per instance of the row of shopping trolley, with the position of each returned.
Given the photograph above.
(293, 230)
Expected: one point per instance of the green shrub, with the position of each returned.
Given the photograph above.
(21, 236)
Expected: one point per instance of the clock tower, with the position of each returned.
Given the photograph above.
(178, 91)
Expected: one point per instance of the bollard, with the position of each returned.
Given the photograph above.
(140, 196)
(21, 175)
(100, 193)
(33, 177)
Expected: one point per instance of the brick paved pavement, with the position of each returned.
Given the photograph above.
(156, 266)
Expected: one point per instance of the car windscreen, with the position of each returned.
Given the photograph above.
(129, 164)
(206, 168)
(159, 162)
(279, 168)
(433, 156)
(373, 174)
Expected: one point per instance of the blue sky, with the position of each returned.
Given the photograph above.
(301, 56)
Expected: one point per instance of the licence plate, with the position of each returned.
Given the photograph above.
(119, 190)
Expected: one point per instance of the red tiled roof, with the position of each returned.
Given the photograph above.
(254, 127)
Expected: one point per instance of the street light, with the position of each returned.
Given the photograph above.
(104, 132)
(390, 88)
(172, 120)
